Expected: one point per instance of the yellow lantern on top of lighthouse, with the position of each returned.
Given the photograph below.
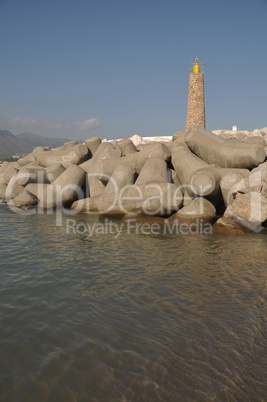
(196, 67)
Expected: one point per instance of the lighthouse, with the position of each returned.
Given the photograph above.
(196, 96)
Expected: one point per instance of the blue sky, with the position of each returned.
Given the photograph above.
(81, 68)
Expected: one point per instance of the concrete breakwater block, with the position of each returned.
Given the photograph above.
(153, 171)
(127, 146)
(105, 150)
(27, 159)
(156, 199)
(24, 199)
(74, 154)
(62, 192)
(3, 187)
(123, 176)
(13, 189)
(54, 171)
(92, 144)
(213, 149)
(198, 210)
(32, 174)
(231, 184)
(205, 182)
(10, 171)
(186, 163)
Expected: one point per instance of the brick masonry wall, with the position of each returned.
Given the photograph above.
(196, 101)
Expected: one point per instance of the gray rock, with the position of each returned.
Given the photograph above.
(249, 210)
(227, 225)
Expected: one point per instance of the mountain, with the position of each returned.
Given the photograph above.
(10, 145)
(35, 140)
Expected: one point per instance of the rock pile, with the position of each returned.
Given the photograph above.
(198, 176)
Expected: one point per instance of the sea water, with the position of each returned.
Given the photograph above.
(93, 316)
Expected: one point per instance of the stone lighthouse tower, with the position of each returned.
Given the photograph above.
(196, 96)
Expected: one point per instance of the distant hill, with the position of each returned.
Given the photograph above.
(10, 144)
(35, 140)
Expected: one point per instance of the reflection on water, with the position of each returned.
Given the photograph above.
(132, 318)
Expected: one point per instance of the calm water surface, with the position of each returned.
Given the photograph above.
(133, 318)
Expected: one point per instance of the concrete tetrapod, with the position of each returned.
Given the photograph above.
(103, 167)
(38, 150)
(31, 157)
(127, 146)
(213, 149)
(94, 184)
(153, 171)
(13, 189)
(199, 211)
(54, 171)
(66, 146)
(93, 167)
(75, 154)
(186, 164)
(27, 159)
(24, 199)
(104, 151)
(32, 174)
(205, 182)
(150, 151)
(230, 184)
(106, 158)
(3, 166)
(3, 187)
(122, 176)
(159, 199)
(66, 188)
(62, 192)
(154, 199)
(10, 171)
(106, 167)
(101, 172)
(255, 140)
(198, 177)
(92, 144)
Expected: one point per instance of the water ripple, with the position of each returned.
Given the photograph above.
(136, 318)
